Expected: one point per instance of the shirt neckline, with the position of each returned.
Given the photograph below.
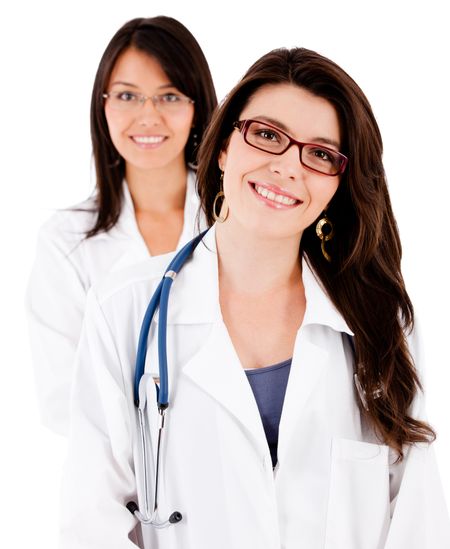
(270, 368)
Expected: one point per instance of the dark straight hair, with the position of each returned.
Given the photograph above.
(182, 59)
(364, 279)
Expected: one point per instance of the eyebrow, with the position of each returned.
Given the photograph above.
(129, 84)
(121, 83)
(324, 140)
(274, 122)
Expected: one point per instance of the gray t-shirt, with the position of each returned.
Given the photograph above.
(269, 387)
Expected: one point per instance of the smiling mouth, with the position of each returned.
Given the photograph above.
(272, 196)
(148, 139)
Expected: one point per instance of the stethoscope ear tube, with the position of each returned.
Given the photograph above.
(175, 517)
(132, 507)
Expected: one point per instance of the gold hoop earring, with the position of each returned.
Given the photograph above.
(220, 194)
(324, 235)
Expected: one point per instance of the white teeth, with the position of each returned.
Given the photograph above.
(148, 139)
(281, 199)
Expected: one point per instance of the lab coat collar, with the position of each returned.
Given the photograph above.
(319, 307)
(194, 295)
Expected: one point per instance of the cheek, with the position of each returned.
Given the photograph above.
(182, 126)
(319, 196)
(332, 191)
(115, 122)
(235, 186)
(322, 193)
(239, 164)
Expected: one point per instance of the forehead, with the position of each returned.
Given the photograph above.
(139, 68)
(301, 113)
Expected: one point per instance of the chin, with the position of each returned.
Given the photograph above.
(259, 229)
(149, 163)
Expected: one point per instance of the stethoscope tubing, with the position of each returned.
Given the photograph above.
(141, 352)
(160, 299)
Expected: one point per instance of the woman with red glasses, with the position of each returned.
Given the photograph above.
(295, 414)
(152, 98)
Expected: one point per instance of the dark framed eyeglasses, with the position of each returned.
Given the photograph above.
(271, 139)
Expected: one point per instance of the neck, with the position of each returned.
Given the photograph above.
(157, 190)
(251, 264)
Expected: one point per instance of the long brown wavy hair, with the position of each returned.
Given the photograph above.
(181, 58)
(364, 279)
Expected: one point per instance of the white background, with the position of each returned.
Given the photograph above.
(397, 51)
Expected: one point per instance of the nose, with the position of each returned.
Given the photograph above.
(148, 112)
(288, 164)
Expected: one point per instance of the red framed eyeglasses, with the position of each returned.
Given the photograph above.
(270, 139)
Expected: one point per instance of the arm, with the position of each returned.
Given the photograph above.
(99, 475)
(55, 304)
(420, 518)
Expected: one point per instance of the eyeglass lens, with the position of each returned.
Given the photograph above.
(128, 101)
(314, 156)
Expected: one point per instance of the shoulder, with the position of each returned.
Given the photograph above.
(137, 280)
(414, 340)
(417, 351)
(123, 295)
(119, 301)
(69, 226)
(192, 187)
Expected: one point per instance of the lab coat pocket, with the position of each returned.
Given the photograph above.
(358, 503)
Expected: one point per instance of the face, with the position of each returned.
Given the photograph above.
(276, 196)
(147, 137)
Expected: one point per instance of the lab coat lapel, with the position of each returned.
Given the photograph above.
(216, 369)
(311, 359)
(309, 364)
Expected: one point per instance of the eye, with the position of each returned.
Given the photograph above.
(323, 155)
(170, 98)
(267, 134)
(126, 96)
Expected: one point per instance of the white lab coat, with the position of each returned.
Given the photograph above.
(335, 486)
(65, 267)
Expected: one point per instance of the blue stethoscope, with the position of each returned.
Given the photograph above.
(159, 299)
